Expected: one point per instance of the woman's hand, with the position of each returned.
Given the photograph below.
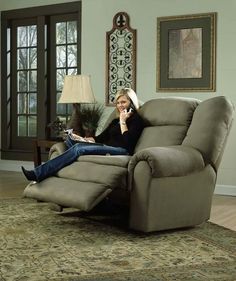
(124, 115)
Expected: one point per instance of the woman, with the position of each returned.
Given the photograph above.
(119, 138)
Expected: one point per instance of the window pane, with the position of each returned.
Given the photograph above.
(22, 81)
(72, 71)
(32, 103)
(71, 32)
(32, 58)
(61, 56)
(32, 80)
(22, 104)
(22, 58)
(70, 108)
(45, 37)
(8, 63)
(72, 56)
(61, 33)
(61, 108)
(8, 88)
(32, 35)
(8, 39)
(32, 121)
(21, 126)
(60, 78)
(22, 36)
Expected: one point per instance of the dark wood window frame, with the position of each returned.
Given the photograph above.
(22, 149)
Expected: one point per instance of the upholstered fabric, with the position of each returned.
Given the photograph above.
(209, 128)
(170, 202)
(68, 193)
(168, 182)
(170, 161)
(57, 149)
(91, 168)
(110, 175)
(167, 121)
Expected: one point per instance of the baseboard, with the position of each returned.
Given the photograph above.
(225, 190)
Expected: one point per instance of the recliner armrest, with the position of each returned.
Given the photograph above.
(170, 161)
(56, 149)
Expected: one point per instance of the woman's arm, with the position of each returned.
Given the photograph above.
(135, 127)
(101, 138)
(123, 118)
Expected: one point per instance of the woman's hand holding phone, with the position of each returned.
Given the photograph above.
(125, 115)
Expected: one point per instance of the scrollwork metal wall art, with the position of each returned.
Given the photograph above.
(120, 57)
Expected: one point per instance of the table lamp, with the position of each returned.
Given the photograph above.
(77, 89)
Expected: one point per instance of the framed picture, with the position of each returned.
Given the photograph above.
(186, 51)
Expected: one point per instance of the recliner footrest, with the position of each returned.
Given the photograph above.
(67, 192)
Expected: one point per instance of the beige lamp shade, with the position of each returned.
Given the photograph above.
(77, 89)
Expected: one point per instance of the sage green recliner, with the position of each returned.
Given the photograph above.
(169, 181)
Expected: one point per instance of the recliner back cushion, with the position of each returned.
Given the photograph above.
(167, 121)
(210, 126)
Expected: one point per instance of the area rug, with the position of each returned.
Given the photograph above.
(39, 244)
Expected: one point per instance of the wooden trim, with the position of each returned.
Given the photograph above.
(45, 10)
(38, 144)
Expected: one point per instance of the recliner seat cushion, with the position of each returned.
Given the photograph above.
(114, 160)
(109, 175)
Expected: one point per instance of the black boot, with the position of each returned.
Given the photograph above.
(30, 175)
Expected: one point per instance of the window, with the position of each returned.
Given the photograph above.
(39, 47)
(66, 60)
(26, 76)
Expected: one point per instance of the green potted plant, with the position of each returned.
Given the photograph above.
(90, 116)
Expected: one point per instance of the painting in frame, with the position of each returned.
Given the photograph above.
(186, 53)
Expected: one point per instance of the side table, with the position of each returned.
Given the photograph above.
(38, 145)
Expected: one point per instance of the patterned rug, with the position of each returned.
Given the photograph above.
(39, 244)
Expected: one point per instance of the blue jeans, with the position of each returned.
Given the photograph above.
(74, 150)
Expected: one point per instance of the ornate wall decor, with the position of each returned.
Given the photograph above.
(120, 57)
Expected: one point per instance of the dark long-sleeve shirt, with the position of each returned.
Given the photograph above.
(112, 134)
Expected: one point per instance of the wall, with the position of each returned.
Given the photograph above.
(97, 16)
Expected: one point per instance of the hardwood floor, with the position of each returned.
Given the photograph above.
(223, 210)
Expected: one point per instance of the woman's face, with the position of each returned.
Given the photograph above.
(122, 103)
